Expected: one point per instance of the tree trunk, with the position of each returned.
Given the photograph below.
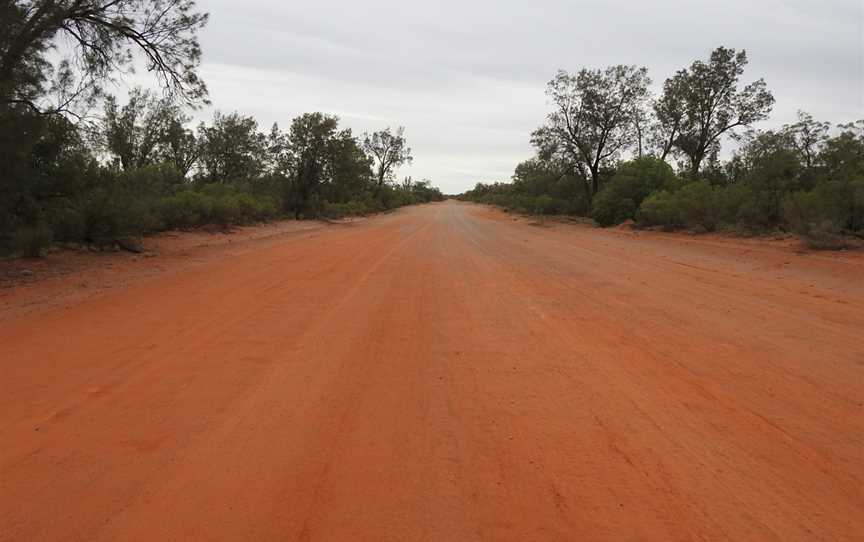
(696, 164)
(595, 180)
(667, 148)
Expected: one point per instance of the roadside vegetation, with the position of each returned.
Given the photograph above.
(611, 151)
(79, 166)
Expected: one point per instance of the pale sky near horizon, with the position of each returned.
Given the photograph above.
(467, 78)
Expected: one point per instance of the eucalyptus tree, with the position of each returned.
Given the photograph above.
(349, 169)
(389, 150)
(701, 103)
(231, 149)
(669, 113)
(594, 118)
(135, 132)
(179, 147)
(807, 136)
(324, 164)
(105, 36)
(55, 58)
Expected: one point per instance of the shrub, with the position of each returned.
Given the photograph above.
(821, 215)
(825, 235)
(546, 205)
(109, 214)
(69, 223)
(697, 204)
(634, 181)
(186, 209)
(221, 205)
(152, 180)
(523, 203)
(658, 209)
(340, 210)
(32, 240)
(610, 208)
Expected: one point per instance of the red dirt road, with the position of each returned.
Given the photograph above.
(446, 373)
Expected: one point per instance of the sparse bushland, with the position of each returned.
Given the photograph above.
(604, 150)
(80, 167)
(131, 175)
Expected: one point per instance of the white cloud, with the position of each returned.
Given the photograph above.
(466, 79)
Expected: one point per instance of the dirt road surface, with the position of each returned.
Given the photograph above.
(446, 373)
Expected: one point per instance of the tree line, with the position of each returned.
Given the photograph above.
(612, 151)
(79, 166)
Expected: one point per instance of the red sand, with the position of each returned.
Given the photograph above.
(446, 372)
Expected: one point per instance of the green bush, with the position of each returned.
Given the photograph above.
(523, 203)
(152, 180)
(109, 213)
(225, 210)
(695, 205)
(32, 240)
(821, 216)
(186, 209)
(611, 208)
(216, 205)
(69, 223)
(340, 210)
(634, 181)
(825, 235)
(545, 205)
(658, 209)
(370, 203)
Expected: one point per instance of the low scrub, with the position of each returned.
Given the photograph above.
(32, 240)
(696, 205)
(634, 181)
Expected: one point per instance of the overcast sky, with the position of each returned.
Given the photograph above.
(466, 78)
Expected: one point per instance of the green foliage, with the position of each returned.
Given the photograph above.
(237, 209)
(697, 205)
(145, 131)
(230, 149)
(98, 38)
(186, 209)
(594, 117)
(322, 163)
(141, 169)
(632, 183)
(539, 187)
(658, 209)
(383, 198)
(823, 214)
(389, 150)
(611, 207)
(225, 206)
(799, 178)
(340, 210)
(701, 103)
(32, 240)
(546, 205)
(52, 179)
(109, 214)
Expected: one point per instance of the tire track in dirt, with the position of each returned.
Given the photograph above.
(446, 373)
